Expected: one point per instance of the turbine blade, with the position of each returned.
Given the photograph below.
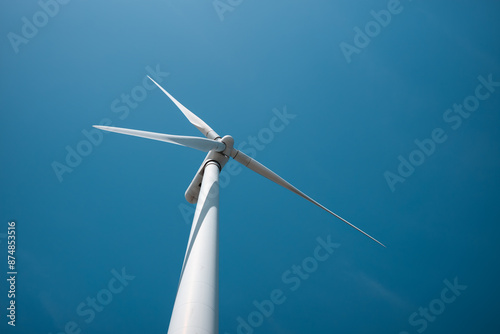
(206, 130)
(267, 173)
(197, 143)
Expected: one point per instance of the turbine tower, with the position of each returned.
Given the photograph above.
(196, 303)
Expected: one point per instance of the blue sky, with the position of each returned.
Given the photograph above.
(109, 221)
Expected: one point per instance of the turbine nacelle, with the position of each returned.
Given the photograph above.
(229, 142)
(193, 191)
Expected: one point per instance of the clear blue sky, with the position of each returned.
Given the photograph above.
(105, 218)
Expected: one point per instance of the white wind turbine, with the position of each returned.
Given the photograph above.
(196, 304)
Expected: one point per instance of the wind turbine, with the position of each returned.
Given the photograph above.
(196, 304)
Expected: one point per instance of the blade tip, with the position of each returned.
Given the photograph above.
(152, 80)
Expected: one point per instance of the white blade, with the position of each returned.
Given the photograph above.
(197, 143)
(195, 120)
(267, 173)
